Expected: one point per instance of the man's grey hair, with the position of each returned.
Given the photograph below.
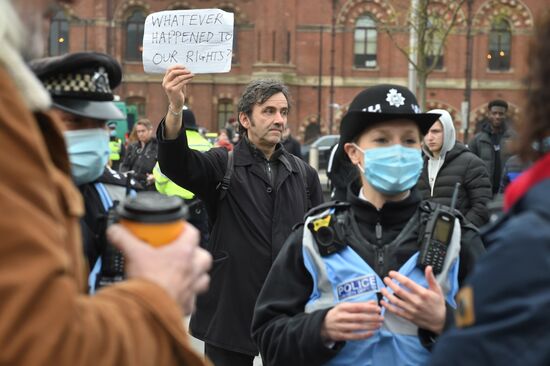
(258, 92)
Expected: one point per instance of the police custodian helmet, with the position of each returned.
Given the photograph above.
(81, 83)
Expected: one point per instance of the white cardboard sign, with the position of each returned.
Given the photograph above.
(199, 39)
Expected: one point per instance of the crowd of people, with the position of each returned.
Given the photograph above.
(404, 267)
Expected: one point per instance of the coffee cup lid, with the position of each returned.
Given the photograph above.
(152, 207)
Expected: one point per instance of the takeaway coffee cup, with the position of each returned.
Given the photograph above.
(154, 218)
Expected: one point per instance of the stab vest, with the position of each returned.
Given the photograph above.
(344, 276)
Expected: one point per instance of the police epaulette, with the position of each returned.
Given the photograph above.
(324, 206)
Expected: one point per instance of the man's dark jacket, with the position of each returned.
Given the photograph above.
(460, 166)
(249, 227)
(483, 145)
(141, 160)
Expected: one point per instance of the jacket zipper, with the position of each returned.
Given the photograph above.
(379, 249)
(269, 173)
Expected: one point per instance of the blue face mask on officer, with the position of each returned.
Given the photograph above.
(391, 170)
(88, 153)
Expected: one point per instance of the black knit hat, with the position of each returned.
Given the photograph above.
(189, 120)
(377, 104)
(81, 83)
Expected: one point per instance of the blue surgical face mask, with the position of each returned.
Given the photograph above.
(88, 153)
(391, 170)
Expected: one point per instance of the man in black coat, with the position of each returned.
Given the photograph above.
(490, 143)
(447, 162)
(251, 214)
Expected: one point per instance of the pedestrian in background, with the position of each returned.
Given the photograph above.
(291, 144)
(503, 315)
(490, 144)
(447, 162)
(116, 147)
(46, 317)
(141, 156)
(223, 140)
(254, 196)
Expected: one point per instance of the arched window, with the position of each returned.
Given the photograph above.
(365, 37)
(134, 35)
(225, 111)
(59, 34)
(500, 44)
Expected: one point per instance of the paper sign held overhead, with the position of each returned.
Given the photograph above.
(199, 39)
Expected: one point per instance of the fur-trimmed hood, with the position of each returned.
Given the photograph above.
(12, 39)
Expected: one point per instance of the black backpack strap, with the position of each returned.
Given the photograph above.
(223, 186)
(303, 175)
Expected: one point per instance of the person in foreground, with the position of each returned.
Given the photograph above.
(346, 288)
(503, 315)
(46, 317)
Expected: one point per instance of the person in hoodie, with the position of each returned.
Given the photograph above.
(447, 162)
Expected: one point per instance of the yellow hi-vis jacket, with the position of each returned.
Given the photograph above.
(115, 146)
(164, 185)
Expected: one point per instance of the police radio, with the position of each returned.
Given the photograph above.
(437, 236)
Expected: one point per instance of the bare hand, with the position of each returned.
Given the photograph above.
(179, 267)
(174, 83)
(425, 307)
(351, 321)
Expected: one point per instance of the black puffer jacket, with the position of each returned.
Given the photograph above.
(464, 167)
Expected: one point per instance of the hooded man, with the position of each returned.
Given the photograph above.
(447, 162)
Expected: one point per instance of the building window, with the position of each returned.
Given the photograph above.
(139, 104)
(134, 35)
(434, 44)
(59, 34)
(365, 37)
(225, 111)
(234, 56)
(500, 44)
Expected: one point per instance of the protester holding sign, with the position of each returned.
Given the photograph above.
(253, 198)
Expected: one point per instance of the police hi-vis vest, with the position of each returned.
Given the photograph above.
(115, 146)
(345, 277)
(164, 185)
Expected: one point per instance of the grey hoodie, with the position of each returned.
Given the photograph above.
(449, 138)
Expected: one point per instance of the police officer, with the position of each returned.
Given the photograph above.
(116, 146)
(197, 214)
(346, 288)
(81, 85)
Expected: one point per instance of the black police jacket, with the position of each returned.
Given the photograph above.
(249, 227)
(286, 335)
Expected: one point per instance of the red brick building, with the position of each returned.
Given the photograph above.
(324, 66)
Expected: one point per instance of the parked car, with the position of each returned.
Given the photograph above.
(323, 145)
